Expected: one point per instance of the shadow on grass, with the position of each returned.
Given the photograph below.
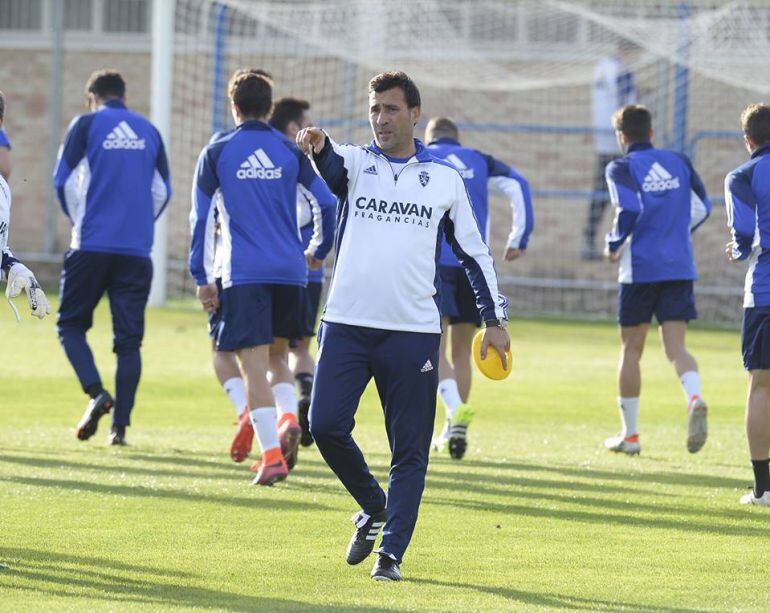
(29, 555)
(146, 492)
(666, 478)
(84, 578)
(607, 519)
(229, 472)
(554, 600)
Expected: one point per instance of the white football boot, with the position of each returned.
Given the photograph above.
(619, 444)
(697, 426)
(762, 501)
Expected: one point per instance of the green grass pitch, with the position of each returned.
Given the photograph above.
(538, 517)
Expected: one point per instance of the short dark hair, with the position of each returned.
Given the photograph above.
(106, 83)
(633, 120)
(251, 92)
(287, 110)
(388, 80)
(2, 106)
(755, 123)
(443, 127)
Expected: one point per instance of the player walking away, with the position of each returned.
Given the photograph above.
(5, 155)
(226, 362)
(250, 175)
(747, 195)
(381, 318)
(291, 115)
(613, 87)
(112, 179)
(459, 312)
(660, 200)
(20, 278)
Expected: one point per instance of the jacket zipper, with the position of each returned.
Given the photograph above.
(393, 172)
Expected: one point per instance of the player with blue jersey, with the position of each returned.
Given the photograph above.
(659, 201)
(20, 278)
(382, 321)
(112, 179)
(290, 115)
(248, 179)
(459, 313)
(747, 196)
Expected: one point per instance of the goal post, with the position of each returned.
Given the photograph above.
(163, 13)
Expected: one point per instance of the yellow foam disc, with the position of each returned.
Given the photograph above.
(492, 366)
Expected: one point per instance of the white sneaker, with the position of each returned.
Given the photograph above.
(697, 426)
(442, 440)
(762, 501)
(620, 444)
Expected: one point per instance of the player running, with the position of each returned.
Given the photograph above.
(289, 116)
(459, 313)
(249, 176)
(20, 278)
(747, 195)
(659, 200)
(381, 318)
(112, 179)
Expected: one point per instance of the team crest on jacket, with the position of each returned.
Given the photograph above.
(424, 178)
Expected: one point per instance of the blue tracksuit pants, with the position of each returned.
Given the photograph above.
(404, 366)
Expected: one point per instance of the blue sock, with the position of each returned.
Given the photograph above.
(79, 354)
(126, 381)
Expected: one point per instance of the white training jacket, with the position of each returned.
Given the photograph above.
(392, 215)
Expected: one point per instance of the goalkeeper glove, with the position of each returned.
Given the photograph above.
(20, 278)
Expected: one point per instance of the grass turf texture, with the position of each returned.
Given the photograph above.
(538, 515)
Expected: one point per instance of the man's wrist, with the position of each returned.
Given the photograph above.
(495, 323)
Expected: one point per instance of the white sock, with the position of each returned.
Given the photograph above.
(690, 384)
(450, 396)
(629, 415)
(236, 392)
(265, 422)
(285, 398)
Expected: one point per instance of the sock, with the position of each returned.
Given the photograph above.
(450, 396)
(127, 376)
(690, 384)
(629, 416)
(94, 390)
(264, 420)
(305, 383)
(236, 392)
(761, 476)
(285, 398)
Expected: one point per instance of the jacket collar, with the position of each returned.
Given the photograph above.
(763, 150)
(444, 140)
(114, 103)
(643, 146)
(254, 124)
(421, 154)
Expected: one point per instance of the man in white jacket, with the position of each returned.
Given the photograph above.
(382, 317)
(20, 278)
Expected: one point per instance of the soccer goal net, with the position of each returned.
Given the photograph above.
(530, 82)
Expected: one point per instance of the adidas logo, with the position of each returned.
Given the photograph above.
(372, 170)
(659, 180)
(427, 367)
(123, 137)
(465, 172)
(258, 166)
(374, 530)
